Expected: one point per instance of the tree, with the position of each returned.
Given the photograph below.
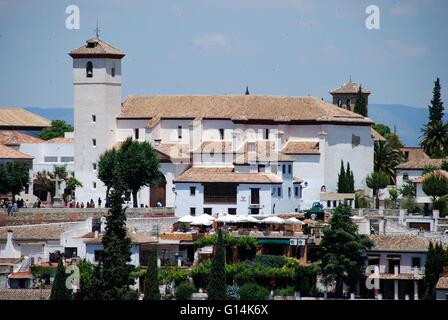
(350, 179)
(217, 281)
(106, 170)
(343, 250)
(138, 166)
(428, 169)
(435, 184)
(377, 181)
(394, 141)
(112, 276)
(434, 138)
(444, 165)
(393, 194)
(436, 109)
(152, 291)
(408, 189)
(85, 279)
(435, 261)
(382, 129)
(56, 130)
(386, 158)
(342, 180)
(361, 103)
(72, 183)
(61, 172)
(59, 290)
(14, 177)
(42, 184)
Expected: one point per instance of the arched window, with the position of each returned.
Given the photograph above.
(348, 103)
(89, 69)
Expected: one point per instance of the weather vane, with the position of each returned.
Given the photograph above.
(97, 30)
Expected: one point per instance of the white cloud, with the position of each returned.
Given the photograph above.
(404, 10)
(404, 50)
(211, 41)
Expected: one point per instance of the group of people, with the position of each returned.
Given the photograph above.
(89, 204)
(11, 207)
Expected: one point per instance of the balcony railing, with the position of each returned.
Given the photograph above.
(220, 199)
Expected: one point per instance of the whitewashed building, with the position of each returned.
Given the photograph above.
(231, 153)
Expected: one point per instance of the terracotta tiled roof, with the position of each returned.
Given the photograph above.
(402, 242)
(15, 138)
(297, 180)
(96, 48)
(174, 151)
(420, 164)
(376, 136)
(262, 150)
(21, 275)
(24, 294)
(349, 87)
(10, 153)
(225, 175)
(51, 231)
(219, 146)
(442, 283)
(239, 108)
(21, 119)
(301, 147)
(330, 196)
(422, 178)
(135, 237)
(61, 140)
(414, 154)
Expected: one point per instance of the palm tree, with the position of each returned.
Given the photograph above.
(386, 158)
(435, 138)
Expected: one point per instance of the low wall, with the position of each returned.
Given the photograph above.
(50, 215)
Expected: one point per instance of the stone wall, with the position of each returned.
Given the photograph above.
(50, 215)
(152, 226)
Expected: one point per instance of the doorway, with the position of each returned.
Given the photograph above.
(158, 193)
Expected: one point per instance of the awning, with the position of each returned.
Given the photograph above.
(274, 241)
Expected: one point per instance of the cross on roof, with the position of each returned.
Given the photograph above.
(97, 30)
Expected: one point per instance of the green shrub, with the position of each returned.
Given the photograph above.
(410, 204)
(184, 291)
(267, 260)
(167, 275)
(232, 292)
(253, 291)
(284, 292)
(244, 277)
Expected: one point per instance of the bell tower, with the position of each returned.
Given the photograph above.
(345, 95)
(97, 101)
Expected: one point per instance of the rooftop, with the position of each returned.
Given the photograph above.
(442, 283)
(225, 175)
(96, 48)
(21, 119)
(438, 172)
(247, 108)
(301, 147)
(417, 159)
(135, 237)
(376, 136)
(12, 154)
(50, 231)
(15, 138)
(349, 87)
(61, 140)
(263, 151)
(24, 294)
(399, 242)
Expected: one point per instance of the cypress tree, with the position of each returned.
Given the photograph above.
(435, 261)
(342, 179)
(361, 103)
(217, 279)
(350, 180)
(59, 290)
(436, 109)
(152, 291)
(113, 273)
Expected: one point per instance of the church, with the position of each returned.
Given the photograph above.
(236, 154)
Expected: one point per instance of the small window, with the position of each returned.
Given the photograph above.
(279, 192)
(93, 142)
(296, 192)
(50, 159)
(208, 211)
(274, 169)
(221, 134)
(416, 262)
(283, 169)
(405, 177)
(328, 204)
(67, 159)
(266, 134)
(192, 211)
(89, 69)
(93, 118)
(94, 185)
(192, 191)
(261, 168)
(373, 260)
(231, 211)
(289, 192)
(136, 134)
(179, 132)
(97, 255)
(112, 71)
(94, 166)
(289, 168)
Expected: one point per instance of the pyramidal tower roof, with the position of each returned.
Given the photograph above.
(349, 87)
(96, 48)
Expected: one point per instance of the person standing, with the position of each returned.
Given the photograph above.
(99, 202)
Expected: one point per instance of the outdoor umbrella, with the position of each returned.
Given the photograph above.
(293, 221)
(186, 219)
(248, 219)
(228, 219)
(274, 220)
(204, 220)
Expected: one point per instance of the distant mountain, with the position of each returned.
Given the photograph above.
(408, 120)
(65, 114)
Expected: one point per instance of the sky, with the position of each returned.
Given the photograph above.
(277, 47)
